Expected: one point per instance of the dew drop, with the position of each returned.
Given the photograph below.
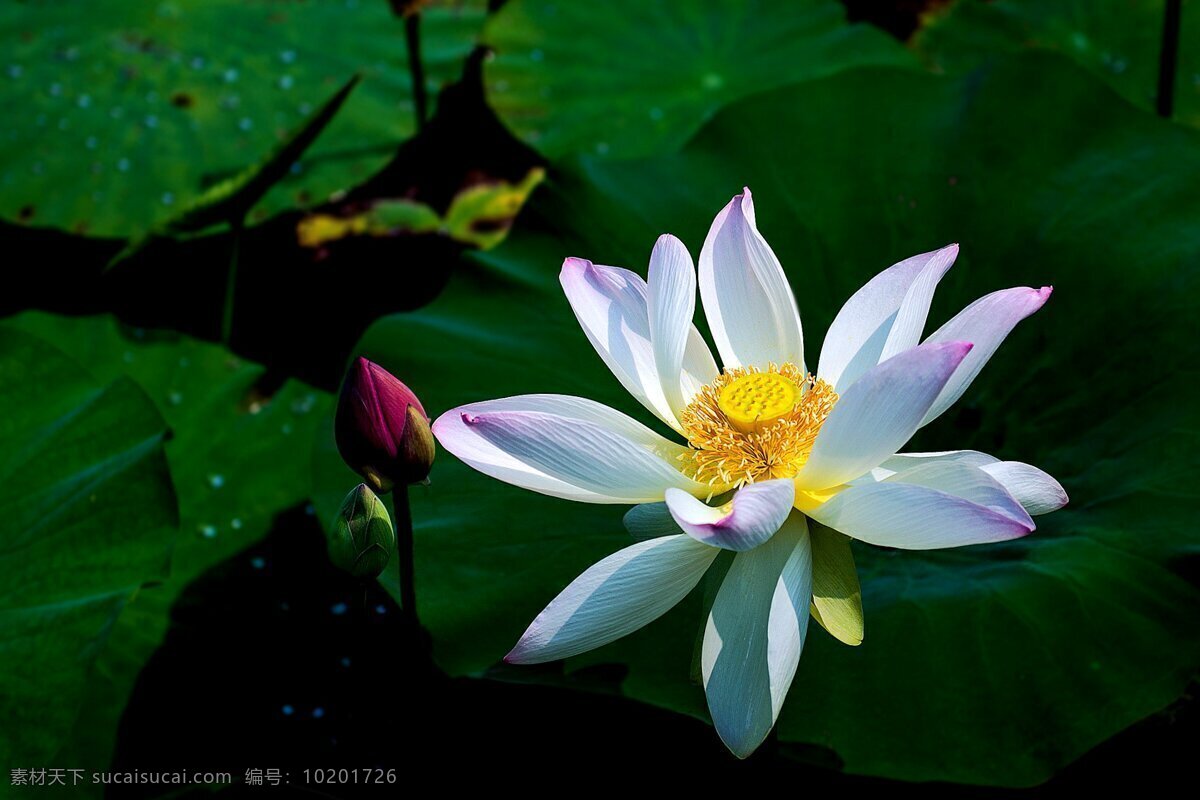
(287, 710)
(305, 404)
(381, 609)
(84, 101)
(536, 55)
(151, 121)
(287, 82)
(258, 562)
(207, 531)
(216, 481)
(167, 198)
(288, 56)
(91, 143)
(15, 71)
(236, 523)
(230, 75)
(245, 123)
(318, 712)
(123, 165)
(338, 609)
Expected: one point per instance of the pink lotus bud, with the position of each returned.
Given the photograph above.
(382, 431)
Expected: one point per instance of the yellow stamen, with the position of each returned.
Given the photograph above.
(752, 424)
(752, 402)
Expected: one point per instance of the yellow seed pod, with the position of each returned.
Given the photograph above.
(754, 401)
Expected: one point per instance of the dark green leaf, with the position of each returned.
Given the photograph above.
(238, 457)
(89, 516)
(1117, 42)
(633, 78)
(125, 115)
(230, 200)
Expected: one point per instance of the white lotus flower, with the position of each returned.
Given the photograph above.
(779, 465)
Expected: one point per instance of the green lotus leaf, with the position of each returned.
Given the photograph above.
(124, 117)
(89, 517)
(634, 78)
(1117, 42)
(238, 457)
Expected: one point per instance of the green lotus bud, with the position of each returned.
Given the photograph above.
(362, 539)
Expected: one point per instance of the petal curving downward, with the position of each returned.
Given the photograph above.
(749, 304)
(984, 323)
(969, 482)
(754, 635)
(754, 514)
(882, 318)
(615, 597)
(914, 517)
(1034, 489)
(681, 358)
(565, 447)
(878, 413)
(837, 597)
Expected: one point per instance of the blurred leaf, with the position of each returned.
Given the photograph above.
(992, 665)
(390, 216)
(237, 457)
(478, 215)
(633, 78)
(130, 110)
(89, 516)
(1117, 42)
(481, 215)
